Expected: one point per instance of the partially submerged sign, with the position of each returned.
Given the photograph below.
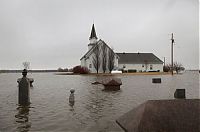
(163, 116)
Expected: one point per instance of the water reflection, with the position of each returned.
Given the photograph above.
(95, 103)
(71, 104)
(22, 118)
(94, 109)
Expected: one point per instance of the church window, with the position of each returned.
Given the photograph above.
(90, 66)
(151, 67)
(124, 66)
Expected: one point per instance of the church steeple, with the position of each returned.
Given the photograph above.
(93, 38)
(93, 33)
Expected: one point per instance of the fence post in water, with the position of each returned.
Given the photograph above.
(24, 85)
(71, 97)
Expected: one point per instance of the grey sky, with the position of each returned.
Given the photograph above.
(55, 33)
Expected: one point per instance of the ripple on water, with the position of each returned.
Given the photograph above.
(94, 109)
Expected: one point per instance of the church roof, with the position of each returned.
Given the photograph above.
(89, 52)
(138, 58)
(93, 33)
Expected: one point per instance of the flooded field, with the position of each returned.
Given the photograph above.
(94, 109)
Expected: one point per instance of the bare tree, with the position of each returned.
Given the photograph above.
(96, 58)
(178, 67)
(166, 67)
(146, 65)
(104, 57)
(111, 60)
(26, 65)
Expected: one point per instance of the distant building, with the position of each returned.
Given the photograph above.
(88, 58)
(139, 62)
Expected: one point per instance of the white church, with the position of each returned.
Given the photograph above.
(137, 62)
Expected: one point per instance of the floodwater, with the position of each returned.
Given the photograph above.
(93, 110)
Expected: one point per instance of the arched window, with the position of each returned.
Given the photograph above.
(151, 67)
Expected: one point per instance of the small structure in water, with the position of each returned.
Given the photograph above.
(156, 80)
(24, 86)
(179, 115)
(71, 97)
(31, 80)
(112, 84)
(179, 94)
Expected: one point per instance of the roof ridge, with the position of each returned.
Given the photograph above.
(135, 53)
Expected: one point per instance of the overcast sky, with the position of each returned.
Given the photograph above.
(55, 33)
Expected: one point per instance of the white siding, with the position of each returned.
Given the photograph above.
(83, 63)
(88, 61)
(139, 67)
(93, 41)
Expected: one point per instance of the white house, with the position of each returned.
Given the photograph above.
(139, 62)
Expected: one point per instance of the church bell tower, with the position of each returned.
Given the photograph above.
(93, 38)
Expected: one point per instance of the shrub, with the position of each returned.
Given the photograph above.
(132, 70)
(62, 70)
(155, 71)
(178, 67)
(80, 70)
(166, 68)
(124, 71)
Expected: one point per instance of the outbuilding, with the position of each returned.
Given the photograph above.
(139, 62)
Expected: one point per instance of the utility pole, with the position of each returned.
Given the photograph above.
(172, 65)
